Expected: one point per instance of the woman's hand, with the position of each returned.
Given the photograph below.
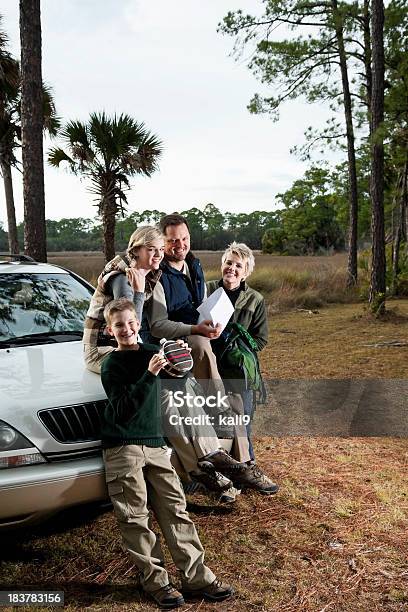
(137, 278)
(156, 363)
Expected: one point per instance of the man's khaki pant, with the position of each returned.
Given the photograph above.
(206, 372)
(192, 442)
(136, 475)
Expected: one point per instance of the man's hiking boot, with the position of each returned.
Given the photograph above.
(222, 462)
(217, 591)
(192, 487)
(210, 478)
(167, 597)
(254, 478)
(229, 496)
(242, 475)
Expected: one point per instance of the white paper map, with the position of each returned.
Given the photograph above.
(217, 308)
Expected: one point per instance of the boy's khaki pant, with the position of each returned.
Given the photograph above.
(136, 475)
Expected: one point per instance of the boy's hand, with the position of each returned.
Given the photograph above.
(184, 345)
(156, 363)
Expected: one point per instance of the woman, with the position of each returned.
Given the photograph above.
(237, 263)
(133, 276)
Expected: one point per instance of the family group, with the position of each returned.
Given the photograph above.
(150, 293)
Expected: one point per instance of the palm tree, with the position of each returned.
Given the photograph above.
(9, 80)
(108, 151)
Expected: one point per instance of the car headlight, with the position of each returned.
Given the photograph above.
(15, 449)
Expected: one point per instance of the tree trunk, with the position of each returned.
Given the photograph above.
(397, 220)
(378, 269)
(32, 130)
(352, 171)
(404, 202)
(11, 213)
(399, 214)
(367, 56)
(108, 228)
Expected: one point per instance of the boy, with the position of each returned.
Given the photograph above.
(138, 468)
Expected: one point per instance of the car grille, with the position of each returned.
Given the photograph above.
(77, 423)
(74, 455)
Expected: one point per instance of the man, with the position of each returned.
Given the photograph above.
(174, 311)
(173, 314)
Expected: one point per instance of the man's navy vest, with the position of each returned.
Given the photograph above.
(182, 295)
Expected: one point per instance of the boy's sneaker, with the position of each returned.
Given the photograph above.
(217, 591)
(167, 597)
(254, 478)
(210, 478)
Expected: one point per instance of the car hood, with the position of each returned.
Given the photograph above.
(44, 376)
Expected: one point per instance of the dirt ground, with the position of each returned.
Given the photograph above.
(333, 539)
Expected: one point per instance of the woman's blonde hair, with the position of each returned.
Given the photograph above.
(242, 251)
(143, 236)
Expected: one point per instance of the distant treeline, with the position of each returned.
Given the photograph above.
(210, 229)
(312, 219)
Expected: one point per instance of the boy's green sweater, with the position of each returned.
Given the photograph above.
(132, 414)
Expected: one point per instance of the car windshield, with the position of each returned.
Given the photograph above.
(32, 304)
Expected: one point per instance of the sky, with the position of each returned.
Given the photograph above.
(165, 64)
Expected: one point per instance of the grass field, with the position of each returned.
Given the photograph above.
(335, 537)
(338, 341)
(286, 282)
(92, 261)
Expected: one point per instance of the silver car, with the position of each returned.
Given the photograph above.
(50, 455)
